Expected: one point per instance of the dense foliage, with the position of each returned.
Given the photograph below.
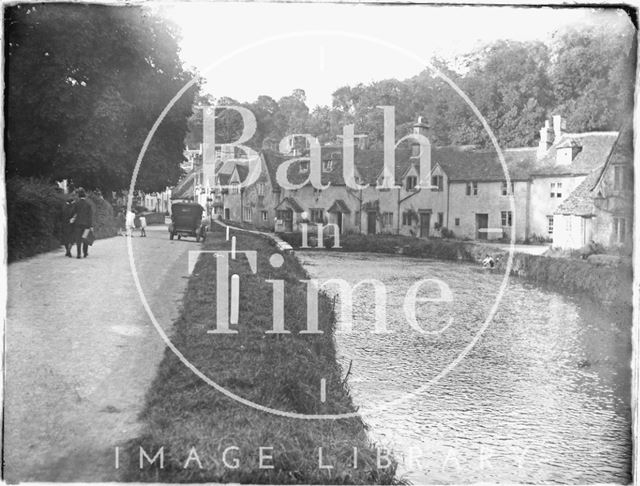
(84, 85)
(34, 210)
(586, 75)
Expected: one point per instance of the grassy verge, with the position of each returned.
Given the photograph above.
(610, 285)
(278, 371)
(442, 249)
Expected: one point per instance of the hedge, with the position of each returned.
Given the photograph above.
(34, 217)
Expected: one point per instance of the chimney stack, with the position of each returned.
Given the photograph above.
(545, 140)
(421, 127)
(559, 125)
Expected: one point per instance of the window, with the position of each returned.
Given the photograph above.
(387, 219)
(457, 221)
(260, 188)
(505, 191)
(506, 218)
(619, 229)
(556, 189)
(550, 225)
(567, 223)
(317, 215)
(436, 183)
(247, 214)
(440, 219)
(472, 188)
(412, 182)
(415, 150)
(304, 166)
(406, 218)
(235, 188)
(618, 178)
(327, 165)
(264, 215)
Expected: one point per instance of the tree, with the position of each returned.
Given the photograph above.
(85, 84)
(593, 76)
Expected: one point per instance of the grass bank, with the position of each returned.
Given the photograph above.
(279, 371)
(443, 249)
(610, 285)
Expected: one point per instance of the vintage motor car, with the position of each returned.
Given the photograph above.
(186, 220)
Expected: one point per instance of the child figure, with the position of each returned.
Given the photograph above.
(143, 225)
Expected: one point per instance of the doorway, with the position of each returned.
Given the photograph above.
(371, 222)
(287, 216)
(425, 222)
(339, 221)
(482, 223)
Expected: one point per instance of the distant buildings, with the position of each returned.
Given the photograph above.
(570, 189)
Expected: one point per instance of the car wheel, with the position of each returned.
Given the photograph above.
(179, 237)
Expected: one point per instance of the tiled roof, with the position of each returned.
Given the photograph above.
(484, 165)
(596, 147)
(622, 152)
(580, 201)
(460, 164)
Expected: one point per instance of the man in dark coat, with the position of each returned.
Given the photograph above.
(68, 234)
(83, 212)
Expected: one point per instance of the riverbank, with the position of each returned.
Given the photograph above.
(608, 284)
(188, 418)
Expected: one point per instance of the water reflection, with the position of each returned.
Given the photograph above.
(543, 396)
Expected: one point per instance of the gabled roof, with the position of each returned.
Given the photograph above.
(596, 148)
(292, 203)
(339, 206)
(185, 187)
(622, 152)
(580, 201)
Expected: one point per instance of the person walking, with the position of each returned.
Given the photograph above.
(68, 230)
(130, 222)
(143, 225)
(83, 222)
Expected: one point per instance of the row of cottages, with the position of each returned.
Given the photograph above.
(600, 209)
(469, 195)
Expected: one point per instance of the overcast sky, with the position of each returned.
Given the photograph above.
(321, 62)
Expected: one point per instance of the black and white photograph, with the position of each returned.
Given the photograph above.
(319, 243)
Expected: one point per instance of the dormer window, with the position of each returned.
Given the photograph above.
(304, 167)
(411, 182)
(567, 151)
(436, 183)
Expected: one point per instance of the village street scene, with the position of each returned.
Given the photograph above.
(273, 260)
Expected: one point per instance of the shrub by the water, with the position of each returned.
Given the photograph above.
(34, 217)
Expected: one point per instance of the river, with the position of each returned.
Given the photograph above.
(542, 397)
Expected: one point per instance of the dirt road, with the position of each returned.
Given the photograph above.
(81, 353)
